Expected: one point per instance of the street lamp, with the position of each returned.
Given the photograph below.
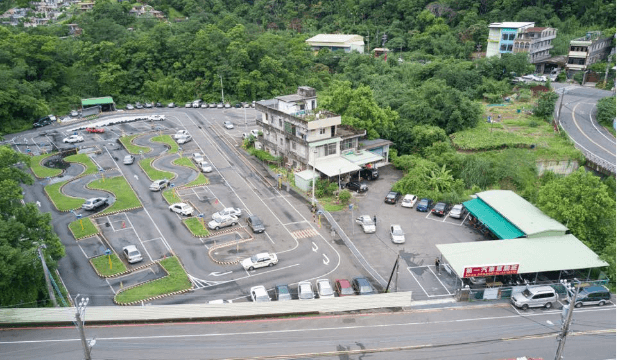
(80, 321)
(313, 176)
(222, 95)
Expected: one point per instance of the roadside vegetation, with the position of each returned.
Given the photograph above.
(606, 113)
(132, 148)
(41, 171)
(88, 226)
(177, 280)
(124, 194)
(194, 224)
(84, 159)
(102, 264)
(167, 140)
(154, 174)
(61, 201)
(186, 162)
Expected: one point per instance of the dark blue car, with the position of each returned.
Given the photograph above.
(424, 205)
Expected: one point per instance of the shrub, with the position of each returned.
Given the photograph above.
(606, 111)
(344, 195)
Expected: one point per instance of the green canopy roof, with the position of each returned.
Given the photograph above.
(498, 225)
(97, 101)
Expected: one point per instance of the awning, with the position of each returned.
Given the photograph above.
(551, 253)
(361, 157)
(498, 225)
(97, 101)
(335, 165)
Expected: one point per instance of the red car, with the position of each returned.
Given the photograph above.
(342, 287)
(95, 130)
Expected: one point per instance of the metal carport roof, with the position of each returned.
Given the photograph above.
(499, 225)
(97, 101)
(540, 254)
(335, 165)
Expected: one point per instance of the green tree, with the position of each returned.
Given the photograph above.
(606, 111)
(546, 105)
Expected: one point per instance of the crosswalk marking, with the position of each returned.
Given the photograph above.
(305, 233)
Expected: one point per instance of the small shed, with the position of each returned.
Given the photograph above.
(303, 179)
(105, 103)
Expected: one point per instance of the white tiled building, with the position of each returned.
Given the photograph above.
(347, 43)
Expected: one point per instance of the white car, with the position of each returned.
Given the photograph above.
(409, 201)
(222, 222)
(132, 254)
(188, 105)
(228, 125)
(457, 211)
(159, 185)
(128, 159)
(204, 106)
(367, 223)
(198, 157)
(205, 167)
(156, 117)
(259, 294)
(181, 134)
(74, 113)
(230, 211)
(259, 260)
(255, 132)
(73, 139)
(182, 209)
(396, 234)
(305, 291)
(324, 289)
(184, 139)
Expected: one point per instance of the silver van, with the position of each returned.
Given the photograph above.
(537, 296)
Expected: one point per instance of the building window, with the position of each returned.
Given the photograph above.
(509, 47)
(280, 123)
(322, 131)
(266, 116)
(331, 149)
(347, 144)
(281, 141)
(293, 145)
(504, 36)
(503, 47)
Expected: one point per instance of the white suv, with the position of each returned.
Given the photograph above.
(537, 296)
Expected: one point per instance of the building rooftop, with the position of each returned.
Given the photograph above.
(535, 29)
(291, 98)
(335, 38)
(515, 25)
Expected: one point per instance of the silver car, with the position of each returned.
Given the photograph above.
(94, 203)
(222, 222)
(128, 160)
(132, 254)
(324, 289)
(158, 185)
(537, 296)
(305, 291)
(396, 234)
(457, 211)
(228, 125)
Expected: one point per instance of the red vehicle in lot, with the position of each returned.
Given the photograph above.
(95, 130)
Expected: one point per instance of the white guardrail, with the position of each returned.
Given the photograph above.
(100, 314)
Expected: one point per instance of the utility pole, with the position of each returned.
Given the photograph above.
(566, 325)
(81, 311)
(50, 290)
(392, 273)
(608, 65)
(556, 121)
(222, 94)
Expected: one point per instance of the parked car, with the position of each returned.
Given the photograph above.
(591, 295)
(73, 139)
(392, 197)
(255, 223)
(74, 113)
(180, 134)
(204, 106)
(324, 289)
(440, 209)
(369, 174)
(130, 107)
(367, 223)
(396, 234)
(198, 157)
(409, 201)
(259, 294)
(205, 167)
(220, 105)
(184, 139)
(237, 105)
(227, 211)
(138, 105)
(343, 288)
(94, 203)
(95, 130)
(158, 105)
(362, 286)
(212, 105)
(158, 185)
(281, 292)
(305, 291)
(457, 211)
(182, 209)
(44, 121)
(357, 186)
(255, 132)
(131, 254)
(227, 105)
(424, 205)
(228, 125)
(148, 105)
(259, 260)
(536, 296)
(188, 105)
(171, 105)
(222, 222)
(128, 160)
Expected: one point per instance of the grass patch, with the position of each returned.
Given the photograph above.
(85, 160)
(170, 197)
(154, 174)
(41, 171)
(61, 201)
(184, 161)
(331, 204)
(88, 228)
(167, 140)
(194, 224)
(125, 196)
(101, 263)
(177, 280)
(201, 180)
(133, 149)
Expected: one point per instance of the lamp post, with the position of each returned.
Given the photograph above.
(222, 95)
(313, 176)
(79, 318)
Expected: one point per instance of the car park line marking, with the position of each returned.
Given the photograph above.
(155, 239)
(268, 235)
(111, 287)
(421, 287)
(34, 142)
(111, 224)
(82, 250)
(140, 241)
(292, 223)
(216, 273)
(437, 277)
(464, 219)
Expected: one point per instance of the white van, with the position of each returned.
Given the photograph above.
(536, 296)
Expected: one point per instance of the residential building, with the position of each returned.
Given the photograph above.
(347, 43)
(146, 11)
(86, 6)
(307, 137)
(501, 36)
(587, 50)
(537, 42)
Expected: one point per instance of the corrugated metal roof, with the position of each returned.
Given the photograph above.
(515, 25)
(551, 253)
(528, 218)
(498, 225)
(362, 157)
(335, 38)
(335, 165)
(324, 142)
(97, 101)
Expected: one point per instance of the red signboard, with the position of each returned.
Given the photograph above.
(490, 270)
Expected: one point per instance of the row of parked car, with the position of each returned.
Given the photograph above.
(195, 104)
(425, 205)
(545, 296)
(323, 289)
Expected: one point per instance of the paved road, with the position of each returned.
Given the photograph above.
(472, 332)
(578, 118)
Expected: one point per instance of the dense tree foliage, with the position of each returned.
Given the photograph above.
(606, 111)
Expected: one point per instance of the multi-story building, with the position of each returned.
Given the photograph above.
(587, 50)
(347, 43)
(537, 42)
(306, 137)
(501, 36)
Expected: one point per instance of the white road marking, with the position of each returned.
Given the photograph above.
(326, 261)
(437, 277)
(612, 140)
(584, 134)
(139, 238)
(314, 247)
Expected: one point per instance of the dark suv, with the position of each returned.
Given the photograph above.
(392, 197)
(362, 286)
(440, 209)
(356, 186)
(42, 122)
(592, 295)
(255, 224)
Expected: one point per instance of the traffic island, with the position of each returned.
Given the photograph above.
(61, 201)
(230, 248)
(127, 142)
(41, 171)
(126, 199)
(83, 228)
(154, 173)
(108, 265)
(85, 161)
(196, 226)
(167, 140)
